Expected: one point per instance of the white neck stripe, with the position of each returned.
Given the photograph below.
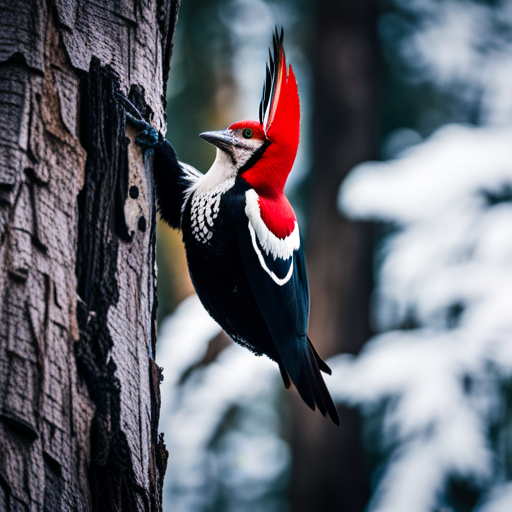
(276, 279)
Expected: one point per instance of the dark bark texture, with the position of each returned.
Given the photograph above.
(79, 388)
(328, 469)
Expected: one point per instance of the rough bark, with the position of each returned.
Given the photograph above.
(328, 470)
(79, 388)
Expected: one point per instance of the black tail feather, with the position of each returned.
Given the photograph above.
(312, 388)
(321, 363)
(284, 376)
(315, 385)
(322, 396)
(305, 388)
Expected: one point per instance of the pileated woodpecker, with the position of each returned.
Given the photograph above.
(244, 251)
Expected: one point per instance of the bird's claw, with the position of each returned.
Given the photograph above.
(140, 124)
(148, 136)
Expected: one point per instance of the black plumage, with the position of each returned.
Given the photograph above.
(239, 295)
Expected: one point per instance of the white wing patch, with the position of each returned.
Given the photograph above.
(278, 247)
(276, 279)
(272, 245)
(205, 209)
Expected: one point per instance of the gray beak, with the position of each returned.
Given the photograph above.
(222, 140)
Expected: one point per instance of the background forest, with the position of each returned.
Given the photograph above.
(403, 187)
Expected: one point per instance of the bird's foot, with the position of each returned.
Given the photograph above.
(148, 137)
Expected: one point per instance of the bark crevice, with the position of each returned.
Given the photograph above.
(101, 223)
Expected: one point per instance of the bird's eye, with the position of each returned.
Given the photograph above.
(247, 133)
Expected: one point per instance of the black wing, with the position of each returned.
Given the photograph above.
(172, 181)
(283, 299)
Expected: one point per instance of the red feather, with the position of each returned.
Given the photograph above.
(278, 215)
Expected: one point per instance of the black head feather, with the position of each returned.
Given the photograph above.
(273, 65)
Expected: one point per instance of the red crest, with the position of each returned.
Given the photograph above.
(280, 122)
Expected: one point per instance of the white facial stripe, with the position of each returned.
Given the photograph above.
(245, 150)
(276, 279)
(279, 247)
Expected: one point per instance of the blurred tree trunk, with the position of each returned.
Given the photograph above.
(328, 472)
(79, 389)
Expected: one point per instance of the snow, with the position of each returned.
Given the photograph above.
(451, 246)
(440, 175)
(459, 46)
(193, 343)
(221, 421)
(448, 267)
(433, 383)
(499, 500)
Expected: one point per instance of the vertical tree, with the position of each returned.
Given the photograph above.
(79, 398)
(328, 469)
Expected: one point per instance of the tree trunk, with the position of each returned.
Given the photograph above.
(328, 468)
(79, 388)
